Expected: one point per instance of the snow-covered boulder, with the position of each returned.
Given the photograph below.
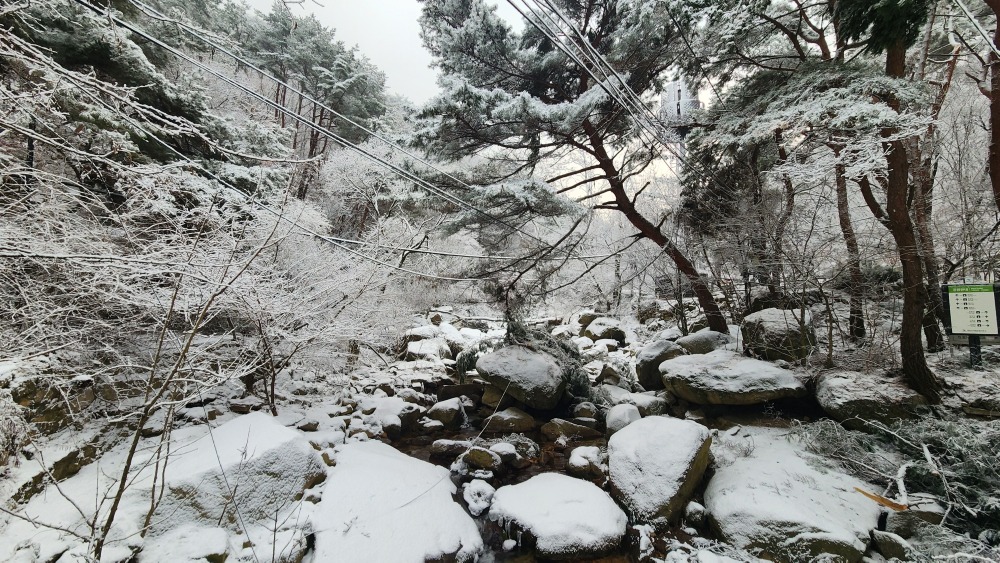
(376, 507)
(564, 517)
(672, 334)
(511, 420)
(447, 412)
(648, 403)
(558, 428)
(647, 362)
(428, 349)
(187, 544)
(656, 309)
(532, 377)
(777, 498)
(778, 334)
(852, 397)
(655, 464)
(724, 377)
(478, 495)
(252, 463)
(586, 462)
(605, 328)
(620, 416)
(704, 341)
(393, 412)
(423, 332)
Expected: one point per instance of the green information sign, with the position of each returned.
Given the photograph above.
(973, 309)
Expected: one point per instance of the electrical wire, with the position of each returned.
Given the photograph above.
(629, 101)
(406, 174)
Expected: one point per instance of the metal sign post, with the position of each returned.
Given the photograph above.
(972, 311)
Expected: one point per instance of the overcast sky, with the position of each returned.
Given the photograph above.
(387, 32)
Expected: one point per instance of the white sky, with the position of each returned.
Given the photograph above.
(387, 32)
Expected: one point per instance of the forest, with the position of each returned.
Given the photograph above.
(672, 281)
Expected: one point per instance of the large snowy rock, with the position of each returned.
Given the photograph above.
(428, 349)
(240, 473)
(778, 334)
(648, 360)
(724, 377)
(605, 328)
(704, 341)
(511, 420)
(620, 416)
(656, 309)
(852, 397)
(382, 505)
(534, 378)
(777, 498)
(564, 516)
(654, 466)
(648, 403)
(423, 332)
(187, 544)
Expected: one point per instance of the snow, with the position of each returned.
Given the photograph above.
(779, 318)
(620, 416)
(422, 333)
(654, 465)
(726, 377)
(779, 498)
(428, 349)
(567, 516)
(583, 458)
(846, 395)
(386, 506)
(188, 543)
(648, 403)
(534, 378)
(242, 472)
(478, 494)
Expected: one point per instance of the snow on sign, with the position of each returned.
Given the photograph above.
(973, 309)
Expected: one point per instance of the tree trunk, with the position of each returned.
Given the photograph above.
(911, 345)
(716, 321)
(624, 204)
(993, 158)
(856, 322)
(777, 247)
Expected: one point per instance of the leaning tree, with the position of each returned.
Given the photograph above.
(520, 100)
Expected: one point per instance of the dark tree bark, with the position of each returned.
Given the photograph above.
(623, 203)
(856, 321)
(993, 158)
(901, 227)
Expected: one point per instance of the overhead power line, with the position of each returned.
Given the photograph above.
(202, 36)
(592, 62)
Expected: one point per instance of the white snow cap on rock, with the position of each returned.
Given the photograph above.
(655, 464)
(724, 377)
(620, 416)
(569, 517)
(382, 505)
(783, 500)
(251, 462)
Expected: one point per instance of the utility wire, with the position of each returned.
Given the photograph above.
(648, 122)
(201, 35)
(406, 174)
(335, 241)
(306, 122)
(337, 138)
